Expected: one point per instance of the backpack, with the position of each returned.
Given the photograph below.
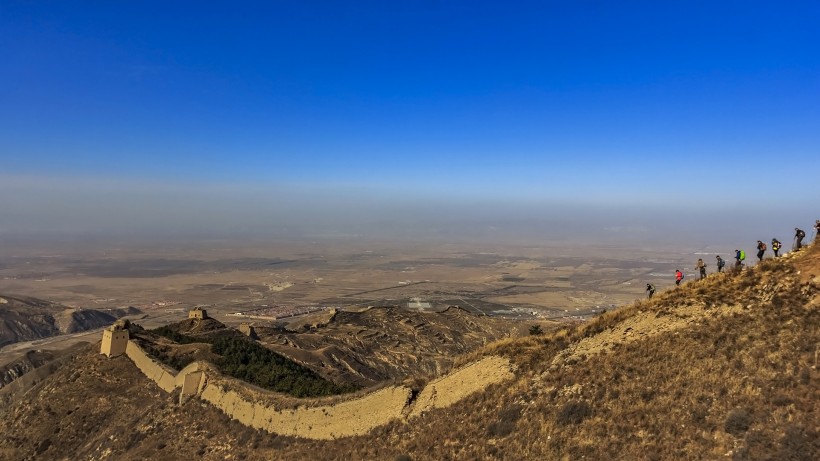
(763, 246)
(742, 255)
(721, 263)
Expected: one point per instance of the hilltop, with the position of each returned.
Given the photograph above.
(379, 344)
(724, 368)
(361, 348)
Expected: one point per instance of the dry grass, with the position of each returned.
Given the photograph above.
(739, 385)
(739, 381)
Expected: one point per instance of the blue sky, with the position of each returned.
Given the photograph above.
(708, 104)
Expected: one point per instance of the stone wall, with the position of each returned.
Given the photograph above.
(342, 419)
(313, 419)
(460, 383)
(155, 371)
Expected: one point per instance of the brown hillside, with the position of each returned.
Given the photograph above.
(380, 344)
(24, 318)
(724, 368)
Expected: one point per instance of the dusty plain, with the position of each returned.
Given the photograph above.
(277, 279)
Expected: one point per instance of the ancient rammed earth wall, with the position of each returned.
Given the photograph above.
(257, 408)
(156, 372)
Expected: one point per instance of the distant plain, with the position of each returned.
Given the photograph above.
(554, 280)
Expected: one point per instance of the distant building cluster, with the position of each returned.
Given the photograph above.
(278, 312)
(417, 303)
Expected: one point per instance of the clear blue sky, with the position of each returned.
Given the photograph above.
(712, 103)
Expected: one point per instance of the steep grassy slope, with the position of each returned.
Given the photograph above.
(720, 369)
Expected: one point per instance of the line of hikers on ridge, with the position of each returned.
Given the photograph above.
(740, 256)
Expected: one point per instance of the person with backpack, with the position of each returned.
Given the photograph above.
(678, 277)
(720, 263)
(817, 230)
(799, 235)
(740, 256)
(776, 245)
(761, 250)
(701, 267)
(650, 290)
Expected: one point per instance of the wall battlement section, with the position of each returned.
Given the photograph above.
(258, 409)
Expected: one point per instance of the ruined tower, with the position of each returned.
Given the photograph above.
(247, 330)
(114, 340)
(198, 313)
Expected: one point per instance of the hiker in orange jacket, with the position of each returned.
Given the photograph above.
(678, 277)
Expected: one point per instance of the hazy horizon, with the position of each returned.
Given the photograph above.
(440, 121)
(50, 209)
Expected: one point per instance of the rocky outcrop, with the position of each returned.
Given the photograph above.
(27, 362)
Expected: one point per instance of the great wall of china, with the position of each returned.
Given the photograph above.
(312, 418)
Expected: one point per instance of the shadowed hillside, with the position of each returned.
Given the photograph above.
(724, 368)
(24, 318)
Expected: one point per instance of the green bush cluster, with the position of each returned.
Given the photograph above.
(257, 365)
(246, 360)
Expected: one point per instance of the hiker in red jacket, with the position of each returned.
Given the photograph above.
(678, 277)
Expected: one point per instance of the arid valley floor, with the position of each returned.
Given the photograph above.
(557, 281)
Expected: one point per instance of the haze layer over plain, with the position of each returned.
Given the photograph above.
(48, 209)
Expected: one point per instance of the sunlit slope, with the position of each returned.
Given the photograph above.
(724, 368)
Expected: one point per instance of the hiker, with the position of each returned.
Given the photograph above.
(798, 239)
(678, 277)
(776, 245)
(817, 230)
(740, 256)
(701, 266)
(720, 263)
(761, 249)
(650, 290)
